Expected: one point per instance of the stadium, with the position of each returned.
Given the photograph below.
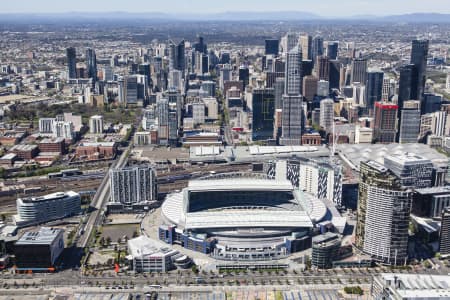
(241, 216)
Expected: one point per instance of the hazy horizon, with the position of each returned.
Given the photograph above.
(325, 8)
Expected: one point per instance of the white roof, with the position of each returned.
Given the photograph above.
(144, 246)
(247, 218)
(423, 286)
(206, 151)
(260, 150)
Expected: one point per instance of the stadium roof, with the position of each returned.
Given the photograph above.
(247, 218)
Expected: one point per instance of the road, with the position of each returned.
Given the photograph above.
(98, 203)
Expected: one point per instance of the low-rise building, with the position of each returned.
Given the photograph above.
(55, 145)
(325, 249)
(411, 286)
(147, 255)
(39, 250)
(97, 150)
(25, 152)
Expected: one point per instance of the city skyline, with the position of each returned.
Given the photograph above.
(326, 8)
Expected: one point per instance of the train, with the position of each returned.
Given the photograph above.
(65, 173)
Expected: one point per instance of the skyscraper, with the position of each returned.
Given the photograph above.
(359, 70)
(419, 54)
(305, 45)
(383, 214)
(309, 87)
(374, 87)
(91, 64)
(263, 108)
(272, 47)
(292, 99)
(410, 122)
(407, 89)
(444, 239)
(131, 90)
(200, 46)
(385, 122)
(332, 50)
(291, 41)
(244, 75)
(327, 114)
(71, 54)
(323, 68)
(335, 72)
(316, 48)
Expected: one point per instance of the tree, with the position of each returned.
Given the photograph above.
(108, 241)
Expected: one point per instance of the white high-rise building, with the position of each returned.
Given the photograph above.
(292, 99)
(96, 124)
(198, 112)
(46, 125)
(327, 114)
(64, 130)
(133, 185)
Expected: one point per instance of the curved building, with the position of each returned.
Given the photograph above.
(239, 216)
(35, 210)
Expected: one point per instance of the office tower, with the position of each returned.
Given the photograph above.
(272, 46)
(173, 125)
(410, 122)
(263, 109)
(225, 58)
(374, 88)
(385, 122)
(359, 70)
(175, 80)
(46, 125)
(200, 46)
(419, 55)
(96, 124)
(205, 64)
(278, 90)
(180, 58)
(292, 100)
(305, 45)
(407, 89)
(334, 74)
(434, 123)
(323, 88)
(444, 237)
(225, 75)
(388, 89)
(383, 214)
(162, 109)
(144, 69)
(307, 67)
(209, 87)
(133, 185)
(332, 50)
(323, 68)
(291, 41)
(108, 74)
(244, 75)
(198, 112)
(91, 64)
(316, 48)
(413, 171)
(327, 114)
(131, 90)
(309, 87)
(71, 54)
(430, 103)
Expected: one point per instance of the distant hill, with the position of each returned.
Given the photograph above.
(225, 16)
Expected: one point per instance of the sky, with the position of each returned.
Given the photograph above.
(320, 7)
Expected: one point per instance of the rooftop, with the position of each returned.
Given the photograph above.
(144, 246)
(354, 154)
(53, 196)
(45, 236)
(414, 286)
